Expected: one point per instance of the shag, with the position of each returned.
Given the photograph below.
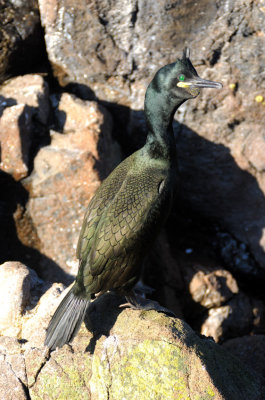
(129, 208)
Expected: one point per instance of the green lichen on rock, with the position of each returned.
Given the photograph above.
(150, 370)
(64, 378)
(145, 355)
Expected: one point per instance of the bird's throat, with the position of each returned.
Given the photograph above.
(160, 142)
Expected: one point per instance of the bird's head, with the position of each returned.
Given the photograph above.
(180, 79)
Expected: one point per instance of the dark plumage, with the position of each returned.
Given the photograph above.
(130, 206)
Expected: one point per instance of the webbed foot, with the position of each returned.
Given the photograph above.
(139, 303)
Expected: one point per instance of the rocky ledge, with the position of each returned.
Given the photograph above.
(118, 354)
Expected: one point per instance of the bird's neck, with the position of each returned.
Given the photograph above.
(159, 114)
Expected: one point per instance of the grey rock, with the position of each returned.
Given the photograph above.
(250, 350)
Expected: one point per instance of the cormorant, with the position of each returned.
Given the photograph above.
(129, 208)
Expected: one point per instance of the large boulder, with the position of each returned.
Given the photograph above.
(118, 353)
(115, 47)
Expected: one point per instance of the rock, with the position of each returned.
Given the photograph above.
(65, 177)
(217, 307)
(121, 364)
(21, 40)
(24, 110)
(212, 289)
(20, 288)
(10, 349)
(119, 43)
(35, 322)
(222, 134)
(250, 350)
(13, 161)
(117, 360)
(258, 308)
(230, 320)
(30, 90)
(15, 294)
(10, 386)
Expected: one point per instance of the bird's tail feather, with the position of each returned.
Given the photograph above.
(66, 320)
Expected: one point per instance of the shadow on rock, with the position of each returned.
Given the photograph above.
(6, 102)
(13, 196)
(214, 187)
(102, 315)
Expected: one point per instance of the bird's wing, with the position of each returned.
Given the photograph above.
(120, 229)
(103, 196)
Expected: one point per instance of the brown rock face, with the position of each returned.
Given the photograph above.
(24, 111)
(66, 175)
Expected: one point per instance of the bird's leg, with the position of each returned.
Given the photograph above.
(142, 290)
(139, 303)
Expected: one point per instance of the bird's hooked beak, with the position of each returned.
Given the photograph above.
(199, 83)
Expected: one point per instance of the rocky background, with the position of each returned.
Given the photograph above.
(73, 79)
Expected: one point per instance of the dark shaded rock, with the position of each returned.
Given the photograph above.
(258, 308)
(21, 38)
(250, 350)
(233, 319)
(220, 178)
(162, 272)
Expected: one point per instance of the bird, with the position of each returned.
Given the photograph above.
(131, 205)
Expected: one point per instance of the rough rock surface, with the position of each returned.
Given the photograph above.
(212, 289)
(24, 111)
(20, 37)
(111, 47)
(221, 150)
(14, 295)
(20, 287)
(131, 354)
(65, 176)
(13, 380)
(233, 319)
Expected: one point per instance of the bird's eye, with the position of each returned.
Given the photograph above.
(182, 77)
